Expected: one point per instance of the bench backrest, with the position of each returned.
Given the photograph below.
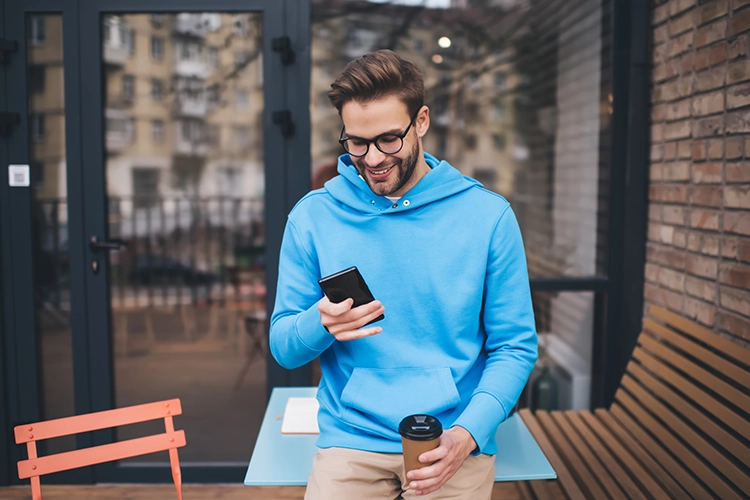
(687, 390)
(36, 466)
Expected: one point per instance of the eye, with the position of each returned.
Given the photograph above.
(357, 142)
(389, 140)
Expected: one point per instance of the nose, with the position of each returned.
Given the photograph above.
(374, 156)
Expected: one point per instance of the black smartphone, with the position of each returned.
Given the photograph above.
(345, 284)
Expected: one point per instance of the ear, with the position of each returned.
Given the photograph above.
(422, 123)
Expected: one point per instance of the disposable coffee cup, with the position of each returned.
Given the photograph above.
(419, 433)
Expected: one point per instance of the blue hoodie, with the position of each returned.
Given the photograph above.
(447, 262)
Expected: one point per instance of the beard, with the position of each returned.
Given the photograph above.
(403, 171)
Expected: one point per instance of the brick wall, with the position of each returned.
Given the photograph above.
(698, 249)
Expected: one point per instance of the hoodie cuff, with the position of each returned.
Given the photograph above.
(311, 331)
(481, 419)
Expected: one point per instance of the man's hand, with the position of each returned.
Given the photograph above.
(346, 323)
(456, 444)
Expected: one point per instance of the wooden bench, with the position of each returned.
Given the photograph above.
(679, 426)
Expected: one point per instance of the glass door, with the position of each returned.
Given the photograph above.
(178, 221)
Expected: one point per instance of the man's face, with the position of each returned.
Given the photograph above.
(386, 174)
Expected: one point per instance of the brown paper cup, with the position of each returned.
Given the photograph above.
(412, 450)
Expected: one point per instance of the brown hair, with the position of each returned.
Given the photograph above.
(378, 75)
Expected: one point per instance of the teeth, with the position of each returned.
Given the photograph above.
(378, 172)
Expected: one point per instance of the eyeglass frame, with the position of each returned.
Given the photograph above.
(401, 136)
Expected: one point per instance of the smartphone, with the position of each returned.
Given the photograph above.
(345, 284)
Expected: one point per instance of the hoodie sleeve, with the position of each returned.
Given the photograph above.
(297, 335)
(511, 343)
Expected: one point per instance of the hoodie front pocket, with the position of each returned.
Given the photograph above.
(386, 396)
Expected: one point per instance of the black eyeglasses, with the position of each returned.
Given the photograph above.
(388, 143)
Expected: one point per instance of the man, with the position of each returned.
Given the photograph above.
(445, 259)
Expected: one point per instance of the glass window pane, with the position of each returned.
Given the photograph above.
(519, 99)
(46, 109)
(188, 292)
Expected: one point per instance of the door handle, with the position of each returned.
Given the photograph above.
(116, 244)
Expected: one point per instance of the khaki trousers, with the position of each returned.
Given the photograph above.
(344, 474)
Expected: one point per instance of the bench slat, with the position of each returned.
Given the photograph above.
(730, 443)
(584, 478)
(703, 334)
(563, 474)
(728, 369)
(701, 397)
(674, 468)
(635, 468)
(540, 490)
(600, 473)
(524, 489)
(708, 379)
(96, 421)
(669, 441)
(624, 481)
(98, 454)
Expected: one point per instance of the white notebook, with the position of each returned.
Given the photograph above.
(300, 416)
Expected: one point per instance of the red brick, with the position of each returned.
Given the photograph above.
(740, 22)
(737, 275)
(666, 256)
(661, 13)
(686, 63)
(657, 152)
(701, 60)
(704, 36)
(737, 222)
(684, 150)
(711, 79)
(698, 287)
(738, 71)
(699, 150)
(708, 104)
(701, 266)
(685, 42)
(708, 127)
(668, 193)
(661, 34)
(734, 147)
(735, 300)
(740, 3)
(710, 11)
(677, 6)
(681, 109)
(716, 149)
(718, 54)
(707, 196)
(681, 24)
(738, 172)
(738, 96)
(657, 132)
(662, 297)
(737, 47)
(703, 243)
(707, 173)
(700, 311)
(670, 150)
(666, 70)
(743, 250)
(654, 212)
(674, 214)
(679, 239)
(656, 172)
(733, 324)
(729, 247)
(683, 87)
(737, 197)
(738, 122)
(677, 171)
(658, 112)
(704, 219)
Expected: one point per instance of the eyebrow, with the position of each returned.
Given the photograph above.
(388, 132)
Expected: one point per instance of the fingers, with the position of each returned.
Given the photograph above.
(345, 322)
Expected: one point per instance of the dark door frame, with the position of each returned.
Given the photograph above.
(287, 174)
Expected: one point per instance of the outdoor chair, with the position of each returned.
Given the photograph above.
(35, 466)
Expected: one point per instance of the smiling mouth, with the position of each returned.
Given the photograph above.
(380, 172)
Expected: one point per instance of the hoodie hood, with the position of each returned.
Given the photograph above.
(442, 181)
